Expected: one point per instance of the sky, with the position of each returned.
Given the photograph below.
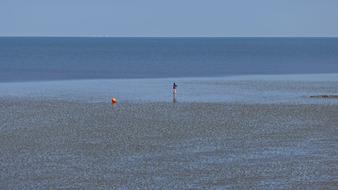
(170, 18)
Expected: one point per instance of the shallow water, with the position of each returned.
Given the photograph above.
(241, 89)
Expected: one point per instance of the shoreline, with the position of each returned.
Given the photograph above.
(290, 89)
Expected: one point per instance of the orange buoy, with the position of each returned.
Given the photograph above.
(113, 101)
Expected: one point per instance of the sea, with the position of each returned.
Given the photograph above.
(143, 69)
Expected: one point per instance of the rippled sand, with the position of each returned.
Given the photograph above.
(73, 145)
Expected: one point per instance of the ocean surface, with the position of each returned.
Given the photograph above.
(233, 70)
(259, 128)
(42, 58)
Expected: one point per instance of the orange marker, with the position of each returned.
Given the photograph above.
(113, 101)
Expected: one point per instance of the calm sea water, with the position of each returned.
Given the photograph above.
(27, 59)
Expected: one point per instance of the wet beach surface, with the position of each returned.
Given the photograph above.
(251, 89)
(51, 144)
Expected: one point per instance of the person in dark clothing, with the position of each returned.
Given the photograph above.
(174, 92)
(174, 88)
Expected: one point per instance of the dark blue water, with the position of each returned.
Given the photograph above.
(23, 59)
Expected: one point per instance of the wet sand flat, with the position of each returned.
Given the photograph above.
(73, 145)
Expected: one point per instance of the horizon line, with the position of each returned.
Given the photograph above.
(107, 36)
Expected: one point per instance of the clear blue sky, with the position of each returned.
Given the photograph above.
(169, 18)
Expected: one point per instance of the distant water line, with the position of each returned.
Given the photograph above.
(39, 59)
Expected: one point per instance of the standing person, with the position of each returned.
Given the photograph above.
(174, 92)
(174, 88)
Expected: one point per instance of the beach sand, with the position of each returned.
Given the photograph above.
(50, 144)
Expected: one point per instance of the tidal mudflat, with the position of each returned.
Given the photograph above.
(52, 144)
